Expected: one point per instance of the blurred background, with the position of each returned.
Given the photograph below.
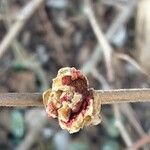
(108, 40)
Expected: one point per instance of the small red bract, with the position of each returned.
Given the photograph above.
(51, 107)
(66, 97)
(66, 80)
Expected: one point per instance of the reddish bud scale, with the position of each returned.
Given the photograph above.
(82, 109)
(75, 73)
(51, 107)
(79, 82)
(65, 98)
(66, 80)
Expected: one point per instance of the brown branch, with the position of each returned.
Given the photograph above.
(106, 97)
(21, 99)
(124, 96)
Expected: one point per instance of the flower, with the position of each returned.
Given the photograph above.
(71, 101)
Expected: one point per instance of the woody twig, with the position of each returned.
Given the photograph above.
(106, 96)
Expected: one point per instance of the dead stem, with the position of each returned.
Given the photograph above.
(106, 48)
(140, 143)
(132, 62)
(124, 133)
(118, 21)
(127, 110)
(21, 19)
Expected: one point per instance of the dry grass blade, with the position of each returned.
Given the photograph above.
(106, 48)
(143, 33)
(118, 21)
(21, 19)
(140, 143)
(133, 63)
(121, 126)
